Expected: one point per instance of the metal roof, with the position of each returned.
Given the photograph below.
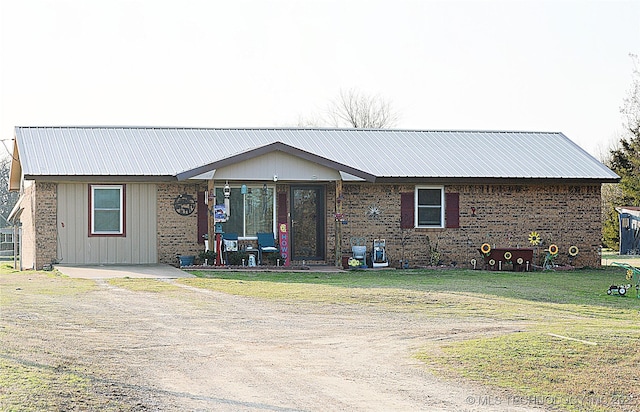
(172, 151)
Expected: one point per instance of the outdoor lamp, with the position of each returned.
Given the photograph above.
(227, 193)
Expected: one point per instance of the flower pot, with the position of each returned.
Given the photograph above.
(186, 260)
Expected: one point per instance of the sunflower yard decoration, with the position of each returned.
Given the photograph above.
(552, 253)
(485, 248)
(534, 238)
(573, 252)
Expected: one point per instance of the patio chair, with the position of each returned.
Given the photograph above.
(266, 244)
(229, 244)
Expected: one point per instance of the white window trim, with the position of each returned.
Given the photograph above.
(415, 207)
(93, 208)
(244, 215)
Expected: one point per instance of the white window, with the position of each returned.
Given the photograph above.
(250, 213)
(429, 207)
(106, 209)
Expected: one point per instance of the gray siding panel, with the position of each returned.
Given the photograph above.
(75, 246)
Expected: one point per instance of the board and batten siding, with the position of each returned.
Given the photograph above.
(277, 164)
(75, 246)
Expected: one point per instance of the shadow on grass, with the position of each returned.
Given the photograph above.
(580, 287)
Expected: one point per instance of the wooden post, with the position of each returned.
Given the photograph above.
(211, 225)
(338, 219)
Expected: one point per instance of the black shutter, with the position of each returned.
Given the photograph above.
(452, 209)
(406, 210)
(282, 208)
(203, 221)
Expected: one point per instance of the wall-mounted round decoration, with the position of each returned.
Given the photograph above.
(184, 204)
(373, 212)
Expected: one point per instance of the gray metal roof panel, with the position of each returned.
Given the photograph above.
(156, 151)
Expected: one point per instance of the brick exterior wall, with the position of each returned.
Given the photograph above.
(46, 224)
(39, 225)
(177, 234)
(566, 215)
(504, 216)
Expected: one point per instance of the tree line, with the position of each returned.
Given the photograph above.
(624, 159)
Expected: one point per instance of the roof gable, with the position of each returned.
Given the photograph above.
(270, 148)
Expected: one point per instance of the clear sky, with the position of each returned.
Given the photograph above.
(455, 65)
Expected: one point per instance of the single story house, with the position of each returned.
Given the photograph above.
(140, 195)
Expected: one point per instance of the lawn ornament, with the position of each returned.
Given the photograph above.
(534, 238)
(552, 253)
(379, 254)
(633, 275)
(618, 289)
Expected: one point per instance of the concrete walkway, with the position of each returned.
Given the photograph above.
(123, 271)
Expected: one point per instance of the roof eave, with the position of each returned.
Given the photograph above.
(100, 178)
(494, 180)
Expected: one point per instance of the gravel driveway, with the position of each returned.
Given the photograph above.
(199, 350)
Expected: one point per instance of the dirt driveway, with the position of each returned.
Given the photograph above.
(197, 350)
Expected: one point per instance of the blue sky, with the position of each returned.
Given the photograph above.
(455, 65)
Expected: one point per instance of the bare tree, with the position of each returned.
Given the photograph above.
(354, 109)
(7, 199)
(361, 111)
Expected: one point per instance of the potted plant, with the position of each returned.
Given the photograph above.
(207, 257)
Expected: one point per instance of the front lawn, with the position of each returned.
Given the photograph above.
(577, 349)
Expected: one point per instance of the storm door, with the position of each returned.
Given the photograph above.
(307, 223)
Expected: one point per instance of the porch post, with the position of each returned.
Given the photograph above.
(211, 225)
(338, 220)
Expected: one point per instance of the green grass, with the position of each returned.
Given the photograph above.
(144, 285)
(16, 285)
(581, 287)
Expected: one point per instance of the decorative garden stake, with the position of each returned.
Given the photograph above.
(573, 252)
(552, 253)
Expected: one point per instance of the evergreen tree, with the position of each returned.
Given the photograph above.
(625, 161)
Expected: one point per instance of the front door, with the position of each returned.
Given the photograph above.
(307, 223)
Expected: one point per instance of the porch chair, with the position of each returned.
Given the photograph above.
(229, 244)
(266, 244)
